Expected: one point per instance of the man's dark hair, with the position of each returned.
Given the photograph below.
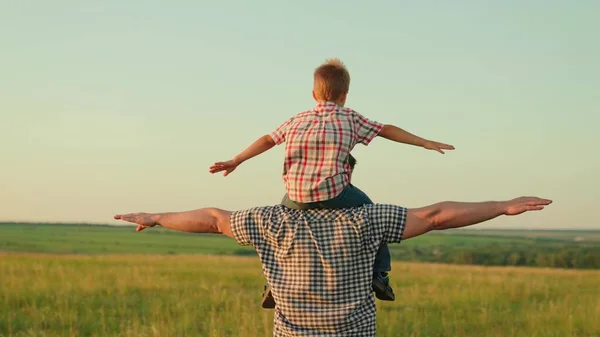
(351, 161)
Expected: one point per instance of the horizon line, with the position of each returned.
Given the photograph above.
(74, 223)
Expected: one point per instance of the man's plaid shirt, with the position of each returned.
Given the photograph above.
(319, 264)
(318, 143)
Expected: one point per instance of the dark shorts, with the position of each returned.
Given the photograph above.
(351, 196)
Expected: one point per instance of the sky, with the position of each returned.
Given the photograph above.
(121, 106)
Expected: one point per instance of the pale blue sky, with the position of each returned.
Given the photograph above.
(123, 105)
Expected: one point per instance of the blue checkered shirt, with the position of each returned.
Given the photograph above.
(319, 264)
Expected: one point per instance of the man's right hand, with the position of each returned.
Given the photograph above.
(226, 166)
(524, 204)
(143, 220)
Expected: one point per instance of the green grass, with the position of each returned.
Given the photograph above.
(162, 295)
(483, 247)
(589, 236)
(96, 239)
(90, 239)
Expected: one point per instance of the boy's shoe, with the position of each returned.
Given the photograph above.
(381, 287)
(268, 302)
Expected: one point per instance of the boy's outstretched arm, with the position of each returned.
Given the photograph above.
(261, 145)
(396, 134)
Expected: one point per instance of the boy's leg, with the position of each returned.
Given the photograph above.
(381, 280)
(289, 203)
(351, 196)
(383, 260)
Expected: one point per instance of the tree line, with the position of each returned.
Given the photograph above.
(564, 256)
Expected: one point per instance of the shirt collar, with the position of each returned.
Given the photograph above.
(325, 105)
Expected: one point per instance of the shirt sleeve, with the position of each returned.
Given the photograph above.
(246, 226)
(279, 135)
(366, 129)
(387, 222)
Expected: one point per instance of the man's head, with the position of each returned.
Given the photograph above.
(332, 82)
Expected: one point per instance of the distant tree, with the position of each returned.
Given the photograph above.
(463, 258)
(514, 259)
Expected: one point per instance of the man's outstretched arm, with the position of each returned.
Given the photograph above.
(204, 220)
(450, 214)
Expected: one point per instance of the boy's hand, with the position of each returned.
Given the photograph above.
(227, 166)
(439, 147)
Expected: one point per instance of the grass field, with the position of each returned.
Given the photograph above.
(587, 236)
(567, 249)
(183, 295)
(91, 239)
(85, 239)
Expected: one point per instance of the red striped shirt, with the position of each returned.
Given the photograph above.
(318, 142)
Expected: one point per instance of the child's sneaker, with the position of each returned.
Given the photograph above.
(381, 287)
(268, 302)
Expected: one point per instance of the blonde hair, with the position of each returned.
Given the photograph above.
(332, 80)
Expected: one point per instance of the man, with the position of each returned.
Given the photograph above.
(318, 262)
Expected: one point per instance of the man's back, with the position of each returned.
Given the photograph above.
(319, 264)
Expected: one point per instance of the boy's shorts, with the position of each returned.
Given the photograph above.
(351, 196)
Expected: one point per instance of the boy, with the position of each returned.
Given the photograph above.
(318, 144)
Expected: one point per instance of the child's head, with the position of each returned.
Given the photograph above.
(332, 82)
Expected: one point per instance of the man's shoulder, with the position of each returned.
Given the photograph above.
(259, 213)
(248, 225)
(255, 210)
(378, 212)
(367, 212)
(280, 209)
